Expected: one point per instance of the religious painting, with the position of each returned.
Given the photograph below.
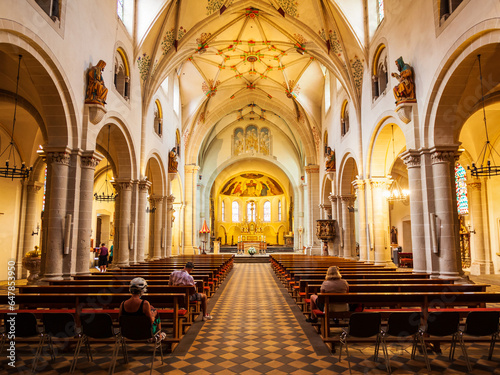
(252, 185)
(251, 139)
(264, 141)
(239, 141)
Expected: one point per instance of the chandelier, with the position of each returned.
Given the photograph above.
(489, 168)
(11, 150)
(107, 194)
(395, 192)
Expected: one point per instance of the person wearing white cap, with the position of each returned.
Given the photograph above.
(135, 306)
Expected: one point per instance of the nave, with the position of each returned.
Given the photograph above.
(258, 329)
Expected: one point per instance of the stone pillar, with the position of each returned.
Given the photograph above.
(413, 162)
(314, 214)
(348, 227)
(445, 205)
(31, 222)
(125, 196)
(326, 211)
(359, 186)
(380, 220)
(89, 161)
(144, 186)
(335, 216)
(169, 223)
(58, 163)
(156, 228)
(191, 210)
(480, 265)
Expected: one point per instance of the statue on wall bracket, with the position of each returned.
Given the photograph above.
(96, 90)
(330, 160)
(172, 160)
(404, 92)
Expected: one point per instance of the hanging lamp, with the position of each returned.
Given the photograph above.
(395, 192)
(10, 151)
(485, 160)
(107, 194)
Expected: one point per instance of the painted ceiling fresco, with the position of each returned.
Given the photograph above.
(252, 185)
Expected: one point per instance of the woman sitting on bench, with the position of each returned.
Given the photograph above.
(135, 306)
(333, 284)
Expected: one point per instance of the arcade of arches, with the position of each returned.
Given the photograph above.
(257, 117)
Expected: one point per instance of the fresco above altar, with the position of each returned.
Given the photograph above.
(252, 185)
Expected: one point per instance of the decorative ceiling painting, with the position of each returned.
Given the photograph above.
(252, 185)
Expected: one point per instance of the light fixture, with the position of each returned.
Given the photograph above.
(107, 194)
(8, 171)
(490, 169)
(395, 192)
(204, 231)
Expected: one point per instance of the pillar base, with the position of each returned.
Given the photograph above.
(317, 250)
(387, 263)
(123, 264)
(51, 277)
(481, 268)
(450, 275)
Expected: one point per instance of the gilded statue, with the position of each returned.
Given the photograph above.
(172, 161)
(330, 160)
(96, 90)
(404, 92)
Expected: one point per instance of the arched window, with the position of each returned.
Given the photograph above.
(267, 211)
(461, 186)
(325, 141)
(251, 211)
(279, 210)
(235, 212)
(51, 7)
(380, 11)
(122, 73)
(380, 75)
(223, 211)
(178, 142)
(158, 121)
(447, 7)
(344, 118)
(327, 91)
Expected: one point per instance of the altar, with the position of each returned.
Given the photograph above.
(247, 241)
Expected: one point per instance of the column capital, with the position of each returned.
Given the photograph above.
(90, 159)
(444, 154)
(476, 185)
(122, 184)
(191, 168)
(332, 198)
(170, 199)
(144, 185)
(347, 198)
(34, 186)
(380, 183)
(156, 199)
(62, 157)
(359, 185)
(411, 158)
(312, 168)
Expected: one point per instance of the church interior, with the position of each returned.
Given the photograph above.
(242, 131)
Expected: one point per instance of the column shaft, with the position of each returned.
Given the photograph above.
(359, 185)
(141, 219)
(380, 220)
(125, 196)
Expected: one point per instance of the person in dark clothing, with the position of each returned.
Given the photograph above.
(103, 257)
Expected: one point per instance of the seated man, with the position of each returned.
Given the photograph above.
(183, 277)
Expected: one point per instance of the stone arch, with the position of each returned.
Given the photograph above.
(348, 172)
(56, 105)
(155, 172)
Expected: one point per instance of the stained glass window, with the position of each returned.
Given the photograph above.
(236, 211)
(223, 209)
(119, 8)
(279, 211)
(461, 186)
(250, 211)
(267, 211)
(44, 189)
(380, 10)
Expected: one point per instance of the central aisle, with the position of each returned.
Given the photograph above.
(254, 331)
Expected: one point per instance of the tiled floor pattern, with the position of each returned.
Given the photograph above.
(257, 329)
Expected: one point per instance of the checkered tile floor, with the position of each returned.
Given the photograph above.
(258, 329)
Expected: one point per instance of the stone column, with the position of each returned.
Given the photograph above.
(412, 160)
(480, 265)
(314, 214)
(58, 163)
(144, 186)
(380, 220)
(31, 222)
(157, 202)
(326, 211)
(335, 216)
(348, 227)
(169, 223)
(359, 185)
(191, 210)
(125, 196)
(89, 161)
(445, 205)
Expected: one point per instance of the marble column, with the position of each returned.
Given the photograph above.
(191, 210)
(144, 186)
(31, 223)
(348, 227)
(335, 216)
(89, 161)
(169, 223)
(412, 159)
(359, 186)
(314, 214)
(58, 163)
(157, 202)
(444, 199)
(380, 220)
(125, 196)
(480, 265)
